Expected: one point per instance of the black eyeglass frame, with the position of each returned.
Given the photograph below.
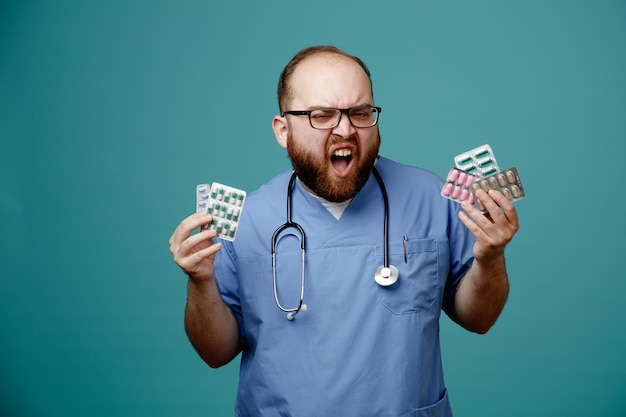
(375, 109)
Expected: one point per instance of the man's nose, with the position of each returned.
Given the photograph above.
(344, 128)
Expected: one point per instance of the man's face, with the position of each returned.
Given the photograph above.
(333, 163)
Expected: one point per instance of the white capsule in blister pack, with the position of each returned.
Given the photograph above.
(225, 204)
(479, 161)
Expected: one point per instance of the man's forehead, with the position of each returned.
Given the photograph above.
(330, 74)
(326, 61)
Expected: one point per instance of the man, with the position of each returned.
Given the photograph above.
(359, 349)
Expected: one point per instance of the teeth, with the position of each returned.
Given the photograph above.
(343, 152)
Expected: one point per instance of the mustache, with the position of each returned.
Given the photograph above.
(338, 140)
(352, 139)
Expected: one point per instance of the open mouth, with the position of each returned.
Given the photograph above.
(340, 161)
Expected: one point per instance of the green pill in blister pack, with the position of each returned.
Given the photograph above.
(225, 204)
(479, 161)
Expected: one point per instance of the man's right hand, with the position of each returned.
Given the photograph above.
(195, 253)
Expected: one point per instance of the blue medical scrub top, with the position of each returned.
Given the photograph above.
(360, 349)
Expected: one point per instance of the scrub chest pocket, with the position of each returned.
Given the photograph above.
(417, 285)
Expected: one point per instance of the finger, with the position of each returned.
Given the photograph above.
(481, 218)
(502, 212)
(184, 229)
(486, 227)
(508, 209)
(195, 243)
(497, 205)
(186, 255)
(499, 224)
(467, 218)
(474, 220)
(193, 261)
(489, 202)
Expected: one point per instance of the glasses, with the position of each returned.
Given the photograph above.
(327, 118)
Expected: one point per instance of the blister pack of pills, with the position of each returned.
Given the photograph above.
(225, 204)
(476, 169)
(479, 161)
(457, 186)
(507, 182)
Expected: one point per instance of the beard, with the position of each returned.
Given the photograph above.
(313, 171)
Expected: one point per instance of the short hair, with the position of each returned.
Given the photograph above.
(285, 92)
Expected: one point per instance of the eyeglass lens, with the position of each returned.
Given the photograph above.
(329, 118)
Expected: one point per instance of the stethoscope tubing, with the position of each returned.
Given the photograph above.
(278, 231)
(383, 190)
(291, 224)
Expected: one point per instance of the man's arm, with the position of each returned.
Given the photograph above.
(209, 322)
(483, 291)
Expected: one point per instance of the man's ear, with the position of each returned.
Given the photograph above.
(281, 130)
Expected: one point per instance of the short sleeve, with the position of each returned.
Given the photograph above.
(226, 277)
(461, 243)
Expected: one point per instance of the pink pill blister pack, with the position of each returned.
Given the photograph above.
(224, 203)
(457, 186)
(482, 173)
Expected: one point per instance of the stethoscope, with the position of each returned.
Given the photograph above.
(385, 274)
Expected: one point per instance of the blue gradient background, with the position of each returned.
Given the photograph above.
(111, 112)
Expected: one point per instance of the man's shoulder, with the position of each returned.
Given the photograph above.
(399, 170)
(270, 189)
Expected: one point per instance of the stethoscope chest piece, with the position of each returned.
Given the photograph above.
(386, 275)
